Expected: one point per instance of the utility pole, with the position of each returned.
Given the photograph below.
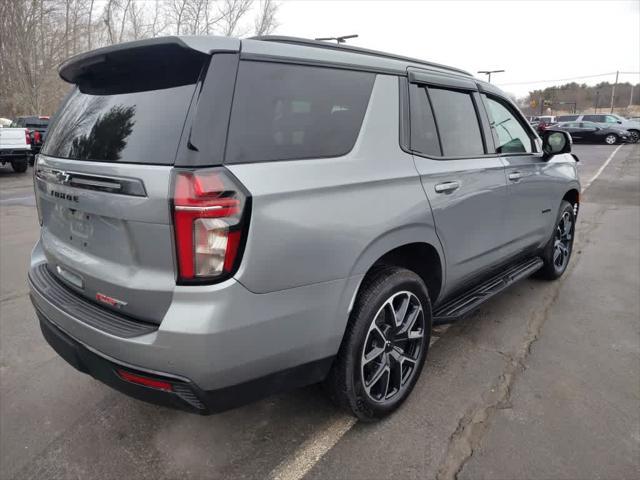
(613, 91)
(597, 98)
(489, 72)
(631, 96)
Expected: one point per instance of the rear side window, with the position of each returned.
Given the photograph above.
(137, 127)
(594, 118)
(567, 118)
(457, 123)
(285, 112)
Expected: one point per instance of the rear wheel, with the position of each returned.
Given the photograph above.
(385, 345)
(20, 165)
(558, 250)
(611, 139)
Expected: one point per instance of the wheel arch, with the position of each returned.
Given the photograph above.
(573, 197)
(416, 248)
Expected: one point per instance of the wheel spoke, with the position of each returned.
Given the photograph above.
(401, 312)
(372, 355)
(406, 332)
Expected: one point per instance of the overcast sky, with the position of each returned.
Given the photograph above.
(531, 40)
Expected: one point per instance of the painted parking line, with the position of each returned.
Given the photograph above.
(298, 464)
(601, 169)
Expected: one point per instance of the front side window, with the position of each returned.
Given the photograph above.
(287, 112)
(509, 134)
(457, 122)
(593, 118)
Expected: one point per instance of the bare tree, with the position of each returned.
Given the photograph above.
(265, 22)
(232, 12)
(37, 35)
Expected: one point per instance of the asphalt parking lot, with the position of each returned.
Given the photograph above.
(543, 382)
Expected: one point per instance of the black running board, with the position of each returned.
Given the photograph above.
(468, 301)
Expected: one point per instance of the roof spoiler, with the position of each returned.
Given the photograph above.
(149, 50)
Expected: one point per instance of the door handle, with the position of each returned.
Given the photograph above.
(447, 187)
(515, 176)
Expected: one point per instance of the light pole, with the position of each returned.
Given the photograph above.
(489, 72)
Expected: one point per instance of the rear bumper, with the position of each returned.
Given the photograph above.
(184, 394)
(14, 154)
(228, 345)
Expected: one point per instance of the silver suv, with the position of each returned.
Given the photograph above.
(223, 219)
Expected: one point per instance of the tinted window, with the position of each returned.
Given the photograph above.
(424, 135)
(284, 112)
(593, 118)
(140, 127)
(457, 123)
(567, 118)
(510, 136)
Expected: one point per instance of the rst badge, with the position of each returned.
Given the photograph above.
(112, 302)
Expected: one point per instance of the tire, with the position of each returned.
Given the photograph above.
(611, 139)
(20, 166)
(635, 136)
(398, 352)
(556, 255)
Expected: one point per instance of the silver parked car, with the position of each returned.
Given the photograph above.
(223, 219)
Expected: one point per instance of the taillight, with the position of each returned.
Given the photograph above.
(27, 136)
(37, 137)
(209, 210)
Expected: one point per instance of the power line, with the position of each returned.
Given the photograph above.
(563, 79)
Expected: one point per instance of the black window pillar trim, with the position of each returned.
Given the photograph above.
(204, 138)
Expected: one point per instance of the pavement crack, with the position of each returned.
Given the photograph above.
(474, 424)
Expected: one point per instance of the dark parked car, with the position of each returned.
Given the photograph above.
(37, 126)
(594, 133)
(607, 120)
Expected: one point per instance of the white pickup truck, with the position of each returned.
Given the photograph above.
(15, 148)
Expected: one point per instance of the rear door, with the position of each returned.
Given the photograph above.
(465, 185)
(104, 176)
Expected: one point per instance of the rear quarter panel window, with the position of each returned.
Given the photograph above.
(286, 112)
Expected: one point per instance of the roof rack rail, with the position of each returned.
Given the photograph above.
(352, 49)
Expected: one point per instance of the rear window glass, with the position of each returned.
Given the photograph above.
(138, 127)
(284, 112)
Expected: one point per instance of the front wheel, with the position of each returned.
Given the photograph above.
(557, 252)
(635, 136)
(385, 345)
(611, 139)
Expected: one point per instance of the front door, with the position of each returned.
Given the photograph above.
(530, 207)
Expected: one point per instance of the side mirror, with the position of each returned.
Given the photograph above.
(555, 142)
(620, 122)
